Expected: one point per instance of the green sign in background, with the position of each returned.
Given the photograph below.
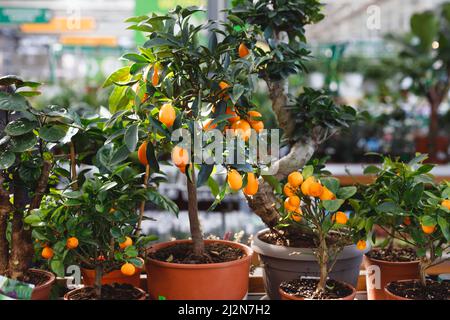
(147, 7)
(12, 15)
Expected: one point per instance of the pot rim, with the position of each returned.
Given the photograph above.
(71, 292)
(149, 261)
(291, 253)
(293, 297)
(386, 290)
(49, 282)
(396, 263)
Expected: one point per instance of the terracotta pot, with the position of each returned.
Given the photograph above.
(390, 296)
(69, 295)
(115, 276)
(388, 272)
(285, 263)
(214, 281)
(286, 296)
(42, 292)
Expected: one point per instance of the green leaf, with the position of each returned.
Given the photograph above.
(22, 143)
(32, 219)
(307, 171)
(346, 192)
(12, 102)
(371, 170)
(389, 207)
(134, 57)
(19, 127)
(204, 173)
(274, 183)
(151, 157)
(238, 90)
(72, 194)
(428, 221)
(332, 184)
(213, 186)
(425, 26)
(443, 224)
(120, 155)
(118, 98)
(162, 202)
(120, 75)
(212, 42)
(332, 205)
(53, 133)
(7, 159)
(107, 186)
(131, 137)
(57, 267)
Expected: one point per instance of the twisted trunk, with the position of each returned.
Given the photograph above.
(263, 203)
(323, 263)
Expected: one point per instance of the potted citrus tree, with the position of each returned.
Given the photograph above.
(30, 148)
(312, 202)
(409, 208)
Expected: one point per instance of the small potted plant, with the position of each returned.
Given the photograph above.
(31, 142)
(405, 203)
(312, 203)
(95, 227)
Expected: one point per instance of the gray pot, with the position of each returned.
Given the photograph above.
(283, 263)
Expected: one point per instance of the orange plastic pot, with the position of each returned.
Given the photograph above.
(42, 292)
(69, 295)
(286, 296)
(115, 276)
(214, 281)
(388, 272)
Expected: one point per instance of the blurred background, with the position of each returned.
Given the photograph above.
(359, 57)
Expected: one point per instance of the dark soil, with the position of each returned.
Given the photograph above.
(415, 290)
(406, 254)
(298, 240)
(109, 292)
(306, 288)
(35, 278)
(183, 253)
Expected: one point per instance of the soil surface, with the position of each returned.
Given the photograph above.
(114, 291)
(415, 290)
(183, 253)
(405, 254)
(298, 240)
(35, 278)
(306, 288)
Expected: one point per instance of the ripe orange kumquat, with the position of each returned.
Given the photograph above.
(242, 129)
(234, 180)
(180, 156)
(47, 253)
(339, 217)
(306, 184)
(446, 204)
(296, 217)
(294, 201)
(128, 269)
(288, 190)
(315, 189)
(428, 229)
(128, 242)
(142, 153)
(243, 51)
(295, 179)
(252, 185)
(167, 115)
(72, 243)
(327, 194)
(361, 244)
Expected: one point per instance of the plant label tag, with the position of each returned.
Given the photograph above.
(15, 290)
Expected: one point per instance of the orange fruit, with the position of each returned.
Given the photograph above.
(295, 179)
(306, 184)
(407, 221)
(128, 242)
(167, 114)
(258, 126)
(327, 194)
(144, 97)
(446, 204)
(208, 125)
(361, 244)
(128, 269)
(243, 50)
(182, 168)
(288, 206)
(47, 253)
(242, 129)
(254, 114)
(296, 217)
(288, 190)
(428, 229)
(72, 243)
(234, 180)
(155, 77)
(315, 189)
(233, 113)
(339, 217)
(252, 184)
(223, 85)
(180, 156)
(294, 201)
(142, 153)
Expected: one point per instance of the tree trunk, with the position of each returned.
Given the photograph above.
(323, 263)
(98, 281)
(433, 131)
(263, 203)
(194, 222)
(423, 266)
(5, 210)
